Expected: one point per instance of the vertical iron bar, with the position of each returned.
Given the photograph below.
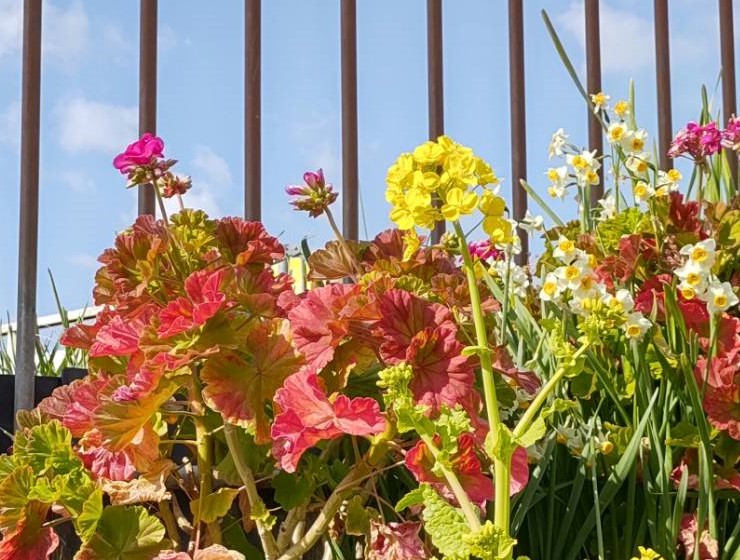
(350, 187)
(435, 83)
(729, 102)
(518, 120)
(593, 80)
(253, 110)
(29, 210)
(147, 87)
(663, 81)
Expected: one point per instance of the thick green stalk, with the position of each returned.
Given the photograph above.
(269, 544)
(462, 497)
(486, 366)
(502, 469)
(205, 474)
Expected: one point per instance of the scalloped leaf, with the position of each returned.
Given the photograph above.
(214, 506)
(239, 387)
(124, 533)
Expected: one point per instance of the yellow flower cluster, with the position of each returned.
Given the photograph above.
(440, 181)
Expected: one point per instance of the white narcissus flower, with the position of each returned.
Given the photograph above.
(702, 253)
(608, 207)
(616, 132)
(639, 163)
(636, 326)
(693, 275)
(551, 289)
(531, 223)
(570, 275)
(622, 301)
(634, 141)
(668, 182)
(557, 143)
(642, 191)
(719, 297)
(565, 250)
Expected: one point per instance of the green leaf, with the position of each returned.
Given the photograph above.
(125, 533)
(92, 510)
(214, 506)
(358, 517)
(684, 434)
(47, 447)
(292, 491)
(536, 432)
(414, 498)
(446, 525)
(500, 444)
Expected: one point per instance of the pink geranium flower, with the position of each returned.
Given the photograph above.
(731, 134)
(696, 141)
(708, 546)
(315, 196)
(142, 152)
(307, 416)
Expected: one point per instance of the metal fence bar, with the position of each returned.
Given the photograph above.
(29, 206)
(593, 81)
(729, 100)
(147, 87)
(518, 120)
(663, 82)
(253, 110)
(435, 83)
(350, 174)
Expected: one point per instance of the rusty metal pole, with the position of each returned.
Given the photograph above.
(252, 110)
(593, 80)
(435, 82)
(350, 174)
(663, 82)
(518, 120)
(147, 87)
(25, 366)
(729, 99)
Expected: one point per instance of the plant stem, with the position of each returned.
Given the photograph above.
(341, 239)
(486, 366)
(460, 494)
(169, 522)
(205, 473)
(534, 408)
(269, 545)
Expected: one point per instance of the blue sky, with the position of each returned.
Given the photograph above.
(90, 92)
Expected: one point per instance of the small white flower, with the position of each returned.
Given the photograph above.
(693, 275)
(608, 207)
(667, 182)
(636, 326)
(642, 191)
(570, 275)
(622, 301)
(702, 253)
(551, 289)
(639, 163)
(634, 141)
(557, 143)
(531, 223)
(565, 250)
(616, 132)
(719, 297)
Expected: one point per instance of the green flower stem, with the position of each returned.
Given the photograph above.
(462, 497)
(486, 366)
(534, 408)
(269, 545)
(205, 473)
(341, 239)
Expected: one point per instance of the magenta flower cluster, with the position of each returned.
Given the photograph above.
(699, 141)
(315, 196)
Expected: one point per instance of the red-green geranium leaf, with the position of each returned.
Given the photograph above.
(124, 533)
(29, 539)
(239, 386)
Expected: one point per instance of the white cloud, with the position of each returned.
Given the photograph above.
(65, 30)
(627, 40)
(86, 125)
(11, 25)
(211, 167)
(10, 124)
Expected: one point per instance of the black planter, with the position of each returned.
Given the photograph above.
(44, 387)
